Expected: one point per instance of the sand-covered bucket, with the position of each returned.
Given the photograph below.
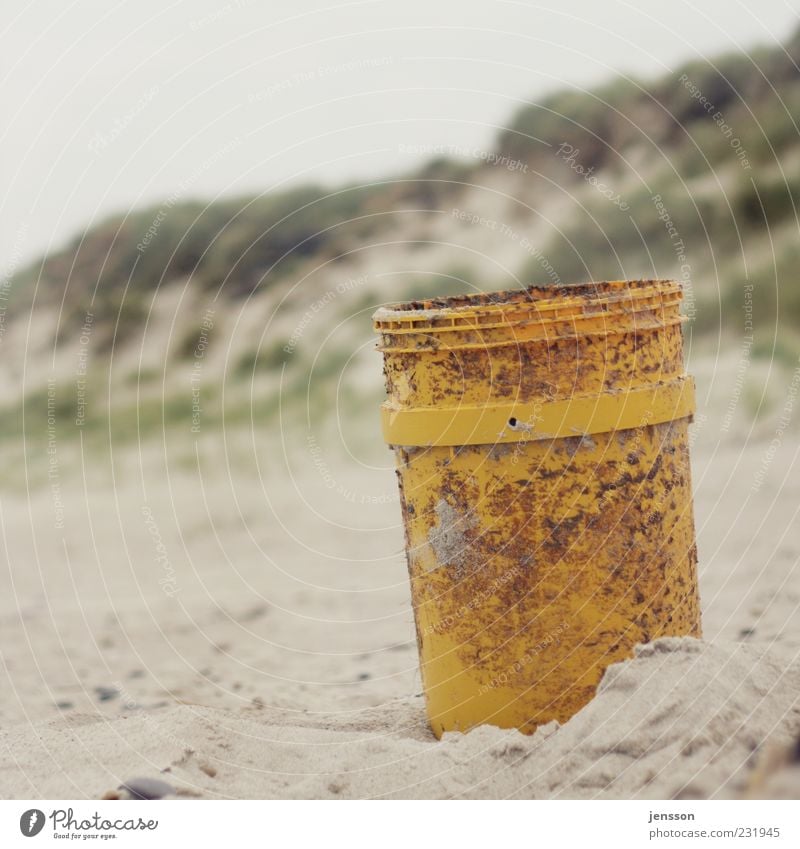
(541, 441)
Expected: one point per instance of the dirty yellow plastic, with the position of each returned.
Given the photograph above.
(485, 424)
(541, 441)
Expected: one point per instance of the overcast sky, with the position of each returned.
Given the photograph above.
(110, 105)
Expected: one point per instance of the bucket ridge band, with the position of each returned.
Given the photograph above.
(488, 424)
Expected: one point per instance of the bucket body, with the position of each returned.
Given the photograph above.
(541, 443)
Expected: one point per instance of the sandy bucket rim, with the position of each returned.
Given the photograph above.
(531, 298)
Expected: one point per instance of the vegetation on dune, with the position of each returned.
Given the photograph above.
(231, 244)
(690, 201)
(718, 201)
(757, 93)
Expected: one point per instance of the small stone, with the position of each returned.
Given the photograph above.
(146, 788)
(255, 612)
(106, 694)
(64, 705)
(209, 770)
(364, 676)
(746, 632)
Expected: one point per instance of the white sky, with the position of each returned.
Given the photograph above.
(108, 105)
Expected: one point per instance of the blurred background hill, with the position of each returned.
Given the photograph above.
(265, 300)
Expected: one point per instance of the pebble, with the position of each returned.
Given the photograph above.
(146, 788)
(254, 613)
(105, 694)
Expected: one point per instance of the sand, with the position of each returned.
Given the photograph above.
(243, 629)
(682, 720)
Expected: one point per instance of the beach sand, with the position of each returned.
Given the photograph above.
(234, 617)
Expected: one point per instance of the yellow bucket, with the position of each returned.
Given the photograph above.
(542, 455)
